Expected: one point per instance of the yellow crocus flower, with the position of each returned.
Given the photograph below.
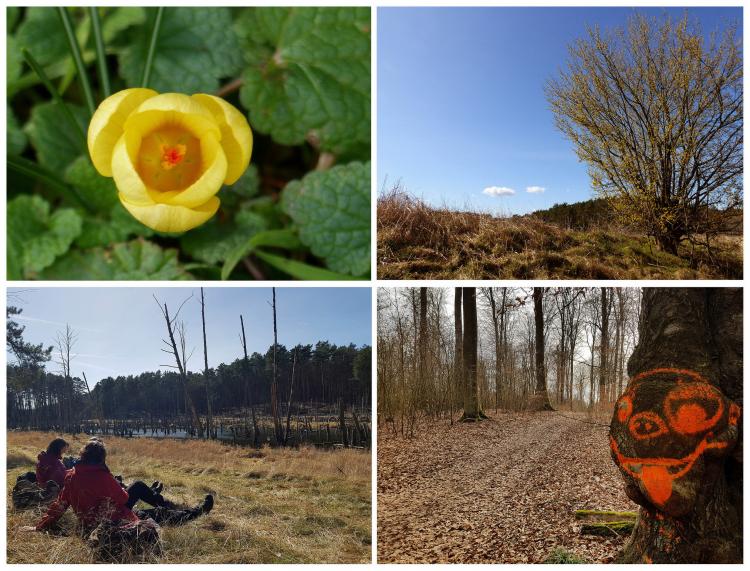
(169, 153)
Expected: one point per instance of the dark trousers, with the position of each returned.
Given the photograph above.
(139, 491)
(163, 511)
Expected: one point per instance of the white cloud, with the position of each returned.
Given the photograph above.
(535, 189)
(498, 191)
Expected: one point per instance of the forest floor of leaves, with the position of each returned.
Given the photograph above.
(503, 490)
(272, 505)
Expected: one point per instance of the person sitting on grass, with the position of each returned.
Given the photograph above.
(49, 465)
(42, 486)
(96, 496)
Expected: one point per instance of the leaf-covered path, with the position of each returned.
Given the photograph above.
(503, 490)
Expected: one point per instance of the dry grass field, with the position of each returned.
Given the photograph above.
(417, 241)
(272, 505)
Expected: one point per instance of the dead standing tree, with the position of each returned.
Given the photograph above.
(277, 428)
(206, 371)
(248, 389)
(675, 433)
(174, 327)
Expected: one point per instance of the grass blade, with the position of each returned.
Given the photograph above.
(101, 56)
(286, 239)
(152, 47)
(300, 270)
(33, 64)
(48, 179)
(75, 50)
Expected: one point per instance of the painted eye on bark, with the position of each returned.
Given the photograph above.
(693, 408)
(646, 425)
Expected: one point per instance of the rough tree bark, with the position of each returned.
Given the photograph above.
(540, 399)
(472, 409)
(675, 430)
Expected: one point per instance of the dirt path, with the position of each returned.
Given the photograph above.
(503, 490)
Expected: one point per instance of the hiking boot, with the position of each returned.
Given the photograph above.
(157, 487)
(207, 504)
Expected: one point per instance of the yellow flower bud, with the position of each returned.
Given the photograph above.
(169, 154)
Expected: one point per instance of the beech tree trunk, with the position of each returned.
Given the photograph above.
(472, 409)
(675, 430)
(540, 399)
(458, 360)
(604, 350)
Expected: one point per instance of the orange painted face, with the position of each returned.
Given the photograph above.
(663, 427)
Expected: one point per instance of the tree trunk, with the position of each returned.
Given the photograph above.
(472, 410)
(209, 415)
(674, 434)
(540, 399)
(458, 360)
(278, 432)
(248, 389)
(604, 349)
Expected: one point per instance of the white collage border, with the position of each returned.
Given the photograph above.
(373, 283)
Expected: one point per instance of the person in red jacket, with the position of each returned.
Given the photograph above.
(49, 464)
(96, 496)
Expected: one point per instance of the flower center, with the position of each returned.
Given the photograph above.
(169, 159)
(172, 156)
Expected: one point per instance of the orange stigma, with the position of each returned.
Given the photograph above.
(172, 156)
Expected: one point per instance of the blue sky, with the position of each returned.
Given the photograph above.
(120, 329)
(461, 103)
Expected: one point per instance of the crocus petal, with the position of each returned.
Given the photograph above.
(236, 136)
(172, 108)
(214, 170)
(107, 123)
(170, 218)
(127, 179)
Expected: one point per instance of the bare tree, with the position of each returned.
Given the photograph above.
(180, 355)
(278, 432)
(540, 398)
(248, 389)
(206, 371)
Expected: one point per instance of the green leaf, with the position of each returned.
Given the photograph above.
(36, 237)
(308, 75)
(300, 270)
(96, 190)
(117, 227)
(42, 34)
(196, 47)
(286, 239)
(215, 240)
(12, 14)
(14, 62)
(118, 20)
(56, 142)
(16, 137)
(332, 210)
(136, 260)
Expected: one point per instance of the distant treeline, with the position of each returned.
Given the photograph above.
(598, 212)
(323, 373)
(579, 215)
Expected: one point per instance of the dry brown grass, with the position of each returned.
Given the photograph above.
(417, 241)
(272, 505)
